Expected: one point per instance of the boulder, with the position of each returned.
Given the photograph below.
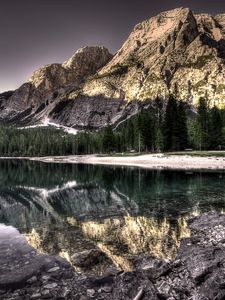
(88, 258)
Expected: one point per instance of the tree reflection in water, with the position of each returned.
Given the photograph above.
(64, 208)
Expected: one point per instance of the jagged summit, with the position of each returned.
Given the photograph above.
(176, 51)
(153, 30)
(85, 61)
(50, 84)
(88, 55)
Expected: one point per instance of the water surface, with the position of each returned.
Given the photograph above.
(67, 208)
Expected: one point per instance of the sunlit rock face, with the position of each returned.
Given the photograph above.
(175, 52)
(52, 83)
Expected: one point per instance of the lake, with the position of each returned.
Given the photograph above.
(67, 208)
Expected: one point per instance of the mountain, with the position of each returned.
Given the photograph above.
(175, 52)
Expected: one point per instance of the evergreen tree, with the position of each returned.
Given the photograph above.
(170, 126)
(182, 126)
(215, 128)
(158, 104)
(203, 120)
(149, 130)
(146, 130)
(158, 140)
(108, 140)
(130, 133)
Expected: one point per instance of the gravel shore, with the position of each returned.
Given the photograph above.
(150, 161)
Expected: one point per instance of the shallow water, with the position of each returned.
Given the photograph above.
(63, 208)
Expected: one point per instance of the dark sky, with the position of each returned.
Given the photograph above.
(36, 32)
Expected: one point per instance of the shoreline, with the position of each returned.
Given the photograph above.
(148, 161)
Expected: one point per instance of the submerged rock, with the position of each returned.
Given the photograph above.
(198, 272)
(88, 258)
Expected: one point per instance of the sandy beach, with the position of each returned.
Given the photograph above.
(150, 161)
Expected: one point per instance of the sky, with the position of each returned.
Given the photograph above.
(38, 32)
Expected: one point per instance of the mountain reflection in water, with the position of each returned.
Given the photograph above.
(64, 209)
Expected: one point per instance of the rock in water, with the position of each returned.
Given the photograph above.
(87, 258)
(198, 272)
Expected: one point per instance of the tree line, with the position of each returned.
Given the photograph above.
(172, 128)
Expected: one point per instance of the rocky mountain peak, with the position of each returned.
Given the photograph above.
(176, 52)
(85, 62)
(92, 58)
(159, 30)
(163, 23)
(49, 84)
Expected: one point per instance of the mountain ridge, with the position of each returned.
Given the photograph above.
(175, 51)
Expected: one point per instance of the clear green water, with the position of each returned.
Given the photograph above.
(63, 208)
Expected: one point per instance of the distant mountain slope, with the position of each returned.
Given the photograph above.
(174, 52)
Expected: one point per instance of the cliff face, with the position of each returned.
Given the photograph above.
(49, 85)
(175, 52)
